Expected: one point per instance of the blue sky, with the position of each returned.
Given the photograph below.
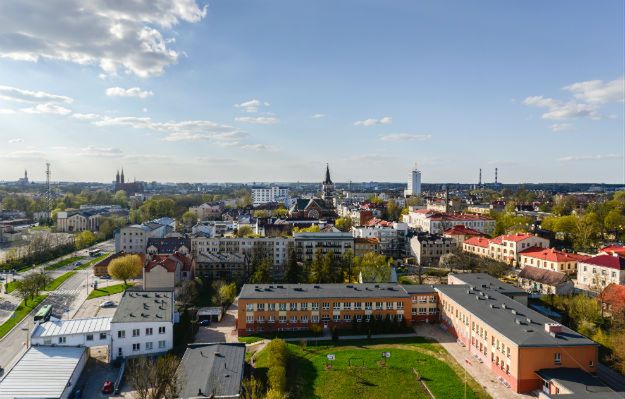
(184, 90)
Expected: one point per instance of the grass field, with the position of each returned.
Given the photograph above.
(92, 262)
(21, 312)
(110, 290)
(54, 284)
(367, 377)
(63, 262)
(250, 340)
(10, 287)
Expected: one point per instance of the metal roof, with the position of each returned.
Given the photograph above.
(215, 369)
(42, 372)
(57, 327)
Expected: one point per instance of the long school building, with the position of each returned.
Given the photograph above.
(513, 341)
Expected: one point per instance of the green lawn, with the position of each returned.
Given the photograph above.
(10, 287)
(367, 377)
(21, 312)
(63, 262)
(110, 290)
(250, 340)
(92, 262)
(54, 284)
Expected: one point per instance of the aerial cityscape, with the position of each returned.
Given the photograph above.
(332, 200)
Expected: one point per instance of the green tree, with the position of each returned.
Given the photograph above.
(343, 224)
(293, 272)
(84, 239)
(125, 267)
(374, 267)
(244, 231)
(262, 273)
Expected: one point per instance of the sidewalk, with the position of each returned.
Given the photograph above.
(478, 371)
(328, 337)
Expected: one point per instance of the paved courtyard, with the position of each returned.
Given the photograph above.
(224, 331)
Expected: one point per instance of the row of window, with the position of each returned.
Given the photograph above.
(136, 332)
(293, 306)
(136, 347)
(315, 318)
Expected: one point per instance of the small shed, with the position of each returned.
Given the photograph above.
(213, 314)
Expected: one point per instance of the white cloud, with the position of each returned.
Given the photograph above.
(318, 116)
(27, 96)
(258, 147)
(93, 151)
(113, 35)
(47, 108)
(597, 91)
(559, 127)
(571, 158)
(370, 158)
(258, 120)
(558, 110)
(131, 92)
(7, 111)
(86, 117)
(252, 105)
(387, 120)
(405, 137)
(15, 141)
(24, 155)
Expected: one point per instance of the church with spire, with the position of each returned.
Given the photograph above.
(317, 208)
(129, 187)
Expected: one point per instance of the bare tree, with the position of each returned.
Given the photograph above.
(155, 378)
(138, 376)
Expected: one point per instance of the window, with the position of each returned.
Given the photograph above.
(315, 306)
(336, 305)
(315, 319)
(148, 331)
(261, 307)
(282, 319)
(121, 334)
(136, 347)
(161, 344)
(261, 319)
(148, 346)
(249, 318)
(368, 305)
(325, 305)
(304, 319)
(336, 318)
(282, 306)
(293, 319)
(135, 332)
(89, 337)
(102, 336)
(400, 305)
(347, 318)
(271, 306)
(358, 305)
(161, 330)
(591, 364)
(304, 306)
(347, 305)
(556, 358)
(62, 340)
(378, 305)
(293, 306)
(271, 319)
(389, 305)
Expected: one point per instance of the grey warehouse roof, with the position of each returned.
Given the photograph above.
(42, 372)
(313, 291)
(215, 369)
(145, 306)
(57, 327)
(581, 384)
(509, 317)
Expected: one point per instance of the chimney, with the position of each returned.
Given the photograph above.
(553, 328)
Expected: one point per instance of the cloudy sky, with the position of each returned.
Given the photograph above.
(235, 90)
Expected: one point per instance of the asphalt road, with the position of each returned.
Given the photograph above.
(65, 302)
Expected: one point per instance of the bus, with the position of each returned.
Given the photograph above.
(44, 313)
(95, 252)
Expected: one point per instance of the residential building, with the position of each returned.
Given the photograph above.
(221, 266)
(214, 228)
(76, 220)
(167, 271)
(393, 236)
(599, 271)
(545, 281)
(427, 249)
(363, 246)
(460, 233)
(208, 210)
(212, 370)
(169, 245)
(550, 259)
(134, 238)
(414, 183)
(143, 324)
(271, 194)
(45, 372)
(437, 222)
(307, 244)
(504, 248)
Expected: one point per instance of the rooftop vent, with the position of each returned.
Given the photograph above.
(517, 321)
(529, 321)
(316, 286)
(503, 305)
(491, 306)
(513, 311)
(349, 286)
(377, 286)
(469, 292)
(478, 298)
(280, 286)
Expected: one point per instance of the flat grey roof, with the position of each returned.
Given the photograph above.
(492, 283)
(42, 372)
(318, 291)
(215, 369)
(505, 313)
(144, 306)
(418, 289)
(581, 384)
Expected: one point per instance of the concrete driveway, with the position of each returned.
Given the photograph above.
(223, 331)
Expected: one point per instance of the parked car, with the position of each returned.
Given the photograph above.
(107, 304)
(107, 387)
(105, 277)
(205, 322)
(78, 263)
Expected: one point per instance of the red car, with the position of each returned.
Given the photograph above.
(107, 387)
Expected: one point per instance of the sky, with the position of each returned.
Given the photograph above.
(272, 90)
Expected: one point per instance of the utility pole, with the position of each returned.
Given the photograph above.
(48, 192)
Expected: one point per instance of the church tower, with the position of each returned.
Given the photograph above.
(117, 178)
(327, 188)
(122, 177)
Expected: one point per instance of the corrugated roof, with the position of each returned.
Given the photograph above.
(55, 328)
(43, 372)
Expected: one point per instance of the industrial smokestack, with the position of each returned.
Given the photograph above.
(495, 175)
(479, 184)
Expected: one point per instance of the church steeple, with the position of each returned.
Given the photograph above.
(122, 177)
(327, 188)
(117, 177)
(327, 180)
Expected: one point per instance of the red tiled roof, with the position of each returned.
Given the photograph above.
(614, 295)
(613, 248)
(515, 237)
(478, 241)
(543, 276)
(162, 260)
(187, 262)
(379, 222)
(461, 230)
(459, 217)
(610, 261)
(551, 254)
(370, 240)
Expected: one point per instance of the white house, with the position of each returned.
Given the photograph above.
(75, 332)
(598, 272)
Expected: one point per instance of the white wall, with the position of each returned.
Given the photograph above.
(126, 343)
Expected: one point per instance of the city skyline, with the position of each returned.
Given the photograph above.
(196, 91)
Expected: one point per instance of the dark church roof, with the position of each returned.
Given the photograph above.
(327, 180)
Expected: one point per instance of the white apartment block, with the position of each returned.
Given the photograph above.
(598, 272)
(264, 195)
(274, 247)
(433, 222)
(307, 244)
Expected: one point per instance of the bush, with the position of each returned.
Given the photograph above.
(316, 329)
